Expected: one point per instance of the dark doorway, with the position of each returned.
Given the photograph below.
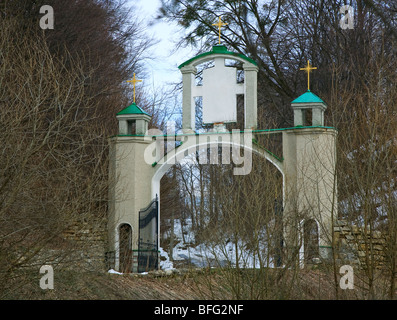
(311, 240)
(125, 233)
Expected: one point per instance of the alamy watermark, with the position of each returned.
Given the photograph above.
(47, 281)
(347, 20)
(347, 279)
(47, 21)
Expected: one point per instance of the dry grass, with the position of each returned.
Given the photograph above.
(206, 284)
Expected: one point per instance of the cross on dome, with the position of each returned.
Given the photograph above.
(134, 81)
(220, 24)
(308, 69)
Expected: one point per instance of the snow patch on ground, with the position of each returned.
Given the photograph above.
(166, 264)
(208, 255)
(114, 271)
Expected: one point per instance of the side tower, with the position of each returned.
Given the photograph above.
(309, 151)
(129, 189)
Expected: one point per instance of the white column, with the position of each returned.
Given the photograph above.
(123, 127)
(188, 107)
(250, 95)
(299, 117)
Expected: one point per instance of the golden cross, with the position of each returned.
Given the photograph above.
(308, 69)
(134, 82)
(220, 24)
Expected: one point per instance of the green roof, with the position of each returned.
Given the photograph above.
(218, 49)
(132, 109)
(308, 97)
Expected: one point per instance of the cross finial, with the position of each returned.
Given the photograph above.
(220, 24)
(134, 82)
(308, 69)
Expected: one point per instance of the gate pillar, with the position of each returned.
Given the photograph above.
(130, 178)
(309, 165)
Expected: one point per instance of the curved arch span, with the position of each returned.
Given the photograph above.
(184, 150)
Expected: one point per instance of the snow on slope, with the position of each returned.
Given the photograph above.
(204, 255)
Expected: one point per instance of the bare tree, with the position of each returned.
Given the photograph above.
(53, 159)
(366, 158)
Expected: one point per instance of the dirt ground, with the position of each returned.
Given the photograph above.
(192, 284)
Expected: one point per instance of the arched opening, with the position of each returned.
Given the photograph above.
(125, 248)
(216, 204)
(310, 241)
(191, 146)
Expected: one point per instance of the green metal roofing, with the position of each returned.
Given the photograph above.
(218, 49)
(308, 97)
(132, 109)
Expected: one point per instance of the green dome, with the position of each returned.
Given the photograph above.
(132, 109)
(218, 49)
(308, 97)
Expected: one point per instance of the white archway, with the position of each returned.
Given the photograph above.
(184, 150)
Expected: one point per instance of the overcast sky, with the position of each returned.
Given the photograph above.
(164, 67)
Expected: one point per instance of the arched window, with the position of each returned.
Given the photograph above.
(125, 236)
(311, 240)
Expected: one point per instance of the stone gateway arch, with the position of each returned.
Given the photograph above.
(138, 160)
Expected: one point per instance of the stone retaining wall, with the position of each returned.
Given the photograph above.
(360, 247)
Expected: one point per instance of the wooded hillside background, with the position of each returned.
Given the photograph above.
(60, 90)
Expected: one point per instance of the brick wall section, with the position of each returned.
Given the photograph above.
(91, 238)
(357, 247)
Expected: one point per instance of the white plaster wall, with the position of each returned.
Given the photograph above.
(219, 92)
(129, 188)
(309, 163)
